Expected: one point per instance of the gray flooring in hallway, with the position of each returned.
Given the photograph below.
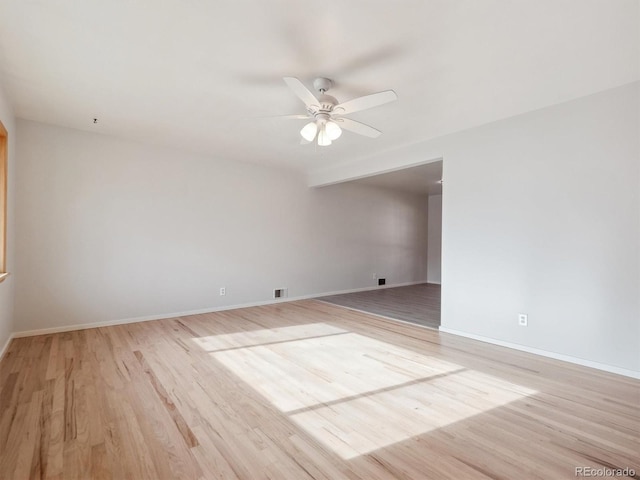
(419, 304)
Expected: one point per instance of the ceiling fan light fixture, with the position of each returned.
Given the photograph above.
(321, 108)
(333, 130)
(309, 131)
(323, 138)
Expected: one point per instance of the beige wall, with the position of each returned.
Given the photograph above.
(111, 230)
(434, 252)
(542, 216)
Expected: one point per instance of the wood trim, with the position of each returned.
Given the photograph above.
(4, 136)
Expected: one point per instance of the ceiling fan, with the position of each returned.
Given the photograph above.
(326, 113)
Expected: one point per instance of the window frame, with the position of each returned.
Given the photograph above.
(4, 141)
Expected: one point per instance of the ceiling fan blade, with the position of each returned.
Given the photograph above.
(294, 117)
(301, 91)
(357, 127)
(363, 103)
(382, 55)
(286, 117)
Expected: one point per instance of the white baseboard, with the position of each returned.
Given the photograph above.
(356, 290)
(109, 323)
(515, 346)
(6, 346)
(545, 353)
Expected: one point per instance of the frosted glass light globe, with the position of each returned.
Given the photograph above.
(309, 131)
(333, 130)
(323, 138)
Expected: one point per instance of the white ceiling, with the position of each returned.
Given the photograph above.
(422, 179)
(201, 75)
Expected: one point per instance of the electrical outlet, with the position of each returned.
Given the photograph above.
(523, 319)
(223, 292)
(375, 276)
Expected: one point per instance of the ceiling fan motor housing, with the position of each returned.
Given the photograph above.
(327, 102)
(325, 106)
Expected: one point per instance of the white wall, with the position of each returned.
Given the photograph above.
(110, 230)
(7, 287)
(541, 215)
(434, 236)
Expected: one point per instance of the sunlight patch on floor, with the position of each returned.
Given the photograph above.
(304, 373)
(354, 393)
(362, 425)
(257, 337)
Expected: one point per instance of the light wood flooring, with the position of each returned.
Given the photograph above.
(418, 304)
(302, 390)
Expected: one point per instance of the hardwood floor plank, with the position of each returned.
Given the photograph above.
(99, 465)
(303, 390)
(54, 448)
(181, 425)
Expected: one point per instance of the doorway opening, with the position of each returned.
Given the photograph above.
(414, 295)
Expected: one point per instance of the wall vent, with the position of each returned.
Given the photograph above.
(382, 281)
(280, 293)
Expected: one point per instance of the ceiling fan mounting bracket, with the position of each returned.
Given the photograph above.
(322, 84)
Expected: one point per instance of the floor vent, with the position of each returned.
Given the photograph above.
(280, 293)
